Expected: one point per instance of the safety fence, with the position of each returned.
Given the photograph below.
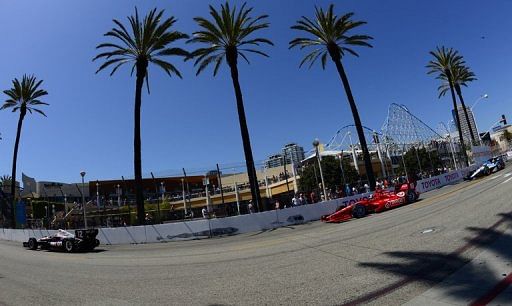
(205, 228)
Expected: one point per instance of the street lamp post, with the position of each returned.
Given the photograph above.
(158, 203)
(184, 197)
(340, 157)
(316, 143)
(97, 194)
(356, 165)
(452, 148)
(285, 172)
(485, 96)
(118, 191)
(83, 199)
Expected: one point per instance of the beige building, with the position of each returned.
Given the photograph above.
(499, 139)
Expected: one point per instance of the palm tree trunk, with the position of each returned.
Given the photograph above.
(249, 161)
(459, 93)
(357, 123)
(137, 160)
(461, 139)
(23, 111)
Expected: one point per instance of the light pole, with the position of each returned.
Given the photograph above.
(184, 197)
(452, 149)
(158, 204)
(340, 157)
(316, 143)
(83, 198)
(97, 194)
(485, 96)
(353, 152)
(379, 153)
(118, 191)
(285, 172)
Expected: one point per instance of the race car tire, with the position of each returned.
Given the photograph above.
(68, 245)
(96, 243)
(32, 243)
(411, 196)
(359, 211)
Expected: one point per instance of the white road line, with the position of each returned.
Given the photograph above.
(508, 180)
(507, 174)
(495, 177)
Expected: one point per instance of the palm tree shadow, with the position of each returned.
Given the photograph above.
(434, 267)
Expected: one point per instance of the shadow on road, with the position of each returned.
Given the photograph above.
(433, 267)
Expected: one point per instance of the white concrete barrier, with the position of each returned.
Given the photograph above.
(199, 229)
(438, 181)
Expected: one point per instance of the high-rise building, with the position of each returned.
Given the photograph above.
(274, 161)
(464, 124)
(292, 152)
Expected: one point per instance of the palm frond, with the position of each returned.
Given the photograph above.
(329, 32)
(228, 29)
(145, 40)
(25, 95)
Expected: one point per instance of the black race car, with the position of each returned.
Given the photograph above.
(82, 240)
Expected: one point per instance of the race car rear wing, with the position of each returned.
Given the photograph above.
(86, 233)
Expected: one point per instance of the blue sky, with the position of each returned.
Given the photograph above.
(192, 123)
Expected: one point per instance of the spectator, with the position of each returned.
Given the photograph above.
(250, 207)
(277, 205)
(302, 199)
(149, 218)
(295, 200)
(204, 211)
(313, 197)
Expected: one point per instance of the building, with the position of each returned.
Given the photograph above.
(293, 153)
(274, 161)
(501, 139)
(464, 124)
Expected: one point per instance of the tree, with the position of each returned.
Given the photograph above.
(227, 37)
(428, 161)
(443, 63)
(331, 36)
(23, 96)
(148, 42)
(508, 137)
(461, 76)
(332, 174)
(5, 180)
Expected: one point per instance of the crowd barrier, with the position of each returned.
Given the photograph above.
(438, 181)
(204, 228)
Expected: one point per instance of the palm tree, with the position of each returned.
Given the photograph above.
(330, 36)
(23, 96)
(227, 37)
(443, 65)
(461, 76)
(148, 42)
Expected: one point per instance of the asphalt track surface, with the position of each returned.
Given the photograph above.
(383, 259)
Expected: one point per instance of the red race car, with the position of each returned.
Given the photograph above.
(380, 200)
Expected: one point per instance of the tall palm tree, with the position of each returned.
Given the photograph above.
(461, 76)
(226, 38)
(330, 35)
(443, 64)
(147, 42)
(23, 96)
(5, 180)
